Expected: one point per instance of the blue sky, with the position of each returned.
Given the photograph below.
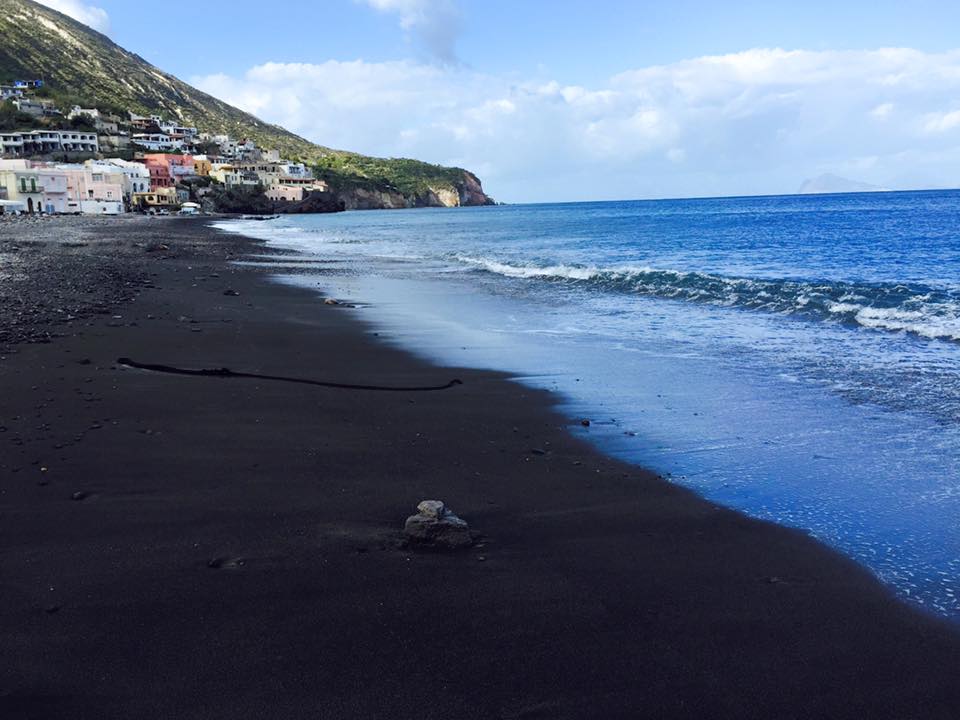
(572, 100)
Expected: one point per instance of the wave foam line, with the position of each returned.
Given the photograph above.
(899, 307)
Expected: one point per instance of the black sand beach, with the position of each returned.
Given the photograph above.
(184, 547)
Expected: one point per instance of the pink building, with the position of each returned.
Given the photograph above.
(56, 195)
(93, 191)
(285, 193)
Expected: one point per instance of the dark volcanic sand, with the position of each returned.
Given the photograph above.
(178, 547)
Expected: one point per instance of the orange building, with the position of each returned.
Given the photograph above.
(166, 169)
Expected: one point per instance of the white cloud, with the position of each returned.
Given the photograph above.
(91, 15)
(942, 122)
(435, 23)
(751, 122)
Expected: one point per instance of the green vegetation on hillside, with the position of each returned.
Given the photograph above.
(12, 119)
(83, 67)
(410, 177)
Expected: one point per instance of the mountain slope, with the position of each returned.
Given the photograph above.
(82, 66)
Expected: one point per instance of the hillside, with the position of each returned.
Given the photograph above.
(81, 66)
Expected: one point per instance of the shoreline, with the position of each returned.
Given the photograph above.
(602, 590)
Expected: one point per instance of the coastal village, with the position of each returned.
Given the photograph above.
(84, 161)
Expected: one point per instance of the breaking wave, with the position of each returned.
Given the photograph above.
(911, 308)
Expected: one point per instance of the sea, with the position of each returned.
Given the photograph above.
(796, 358)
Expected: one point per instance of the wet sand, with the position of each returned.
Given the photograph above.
(185, 547)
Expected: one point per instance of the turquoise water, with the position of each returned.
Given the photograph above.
(796, 358)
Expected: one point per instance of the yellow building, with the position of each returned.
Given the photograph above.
(219, 171)
(161, 198)
(202, 166)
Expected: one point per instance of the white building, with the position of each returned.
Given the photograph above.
(45, 142)
(156, 142)
(297, 170)
(77, 111)
(73, 141)
(236, 149)
(178, 131)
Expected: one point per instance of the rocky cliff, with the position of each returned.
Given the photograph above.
(467, 192)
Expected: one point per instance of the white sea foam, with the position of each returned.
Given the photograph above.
(913, 313)
(842, 307)
(531, 271)
(929, 324)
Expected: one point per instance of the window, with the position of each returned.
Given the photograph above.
(23, 184)
(33, 184)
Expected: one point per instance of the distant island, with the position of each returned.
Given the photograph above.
(829, 183)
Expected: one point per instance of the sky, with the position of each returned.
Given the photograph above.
(567, 100)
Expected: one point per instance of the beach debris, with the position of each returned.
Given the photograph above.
(331, 301)
(223, 372)
(226, 563)
(78, 496)
(435, 524)
(231, 293)
(585, 422)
